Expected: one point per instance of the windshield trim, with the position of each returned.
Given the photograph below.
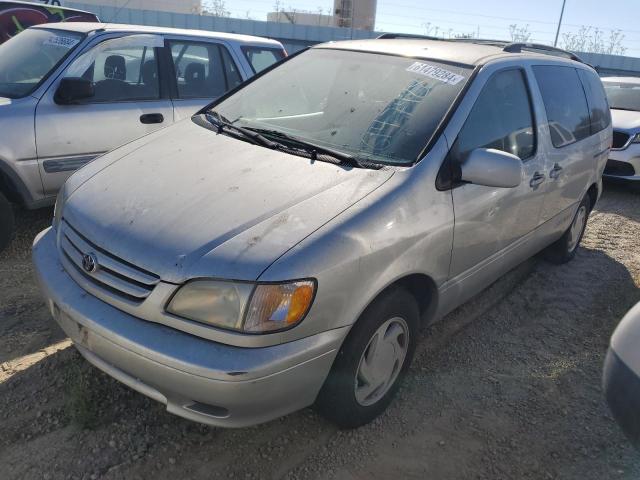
(53, 69)
(473, 69)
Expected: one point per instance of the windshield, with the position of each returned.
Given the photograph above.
(381, 108)
(27, 59)
(623, 96)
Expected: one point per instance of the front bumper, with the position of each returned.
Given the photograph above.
(624, 165)
(198, 379)
(622, 390)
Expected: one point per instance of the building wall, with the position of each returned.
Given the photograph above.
(360, 14)
(302, 18)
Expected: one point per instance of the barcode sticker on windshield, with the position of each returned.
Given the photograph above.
(436, 73)
(63, 42)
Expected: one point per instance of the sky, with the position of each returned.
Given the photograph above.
(490, 17)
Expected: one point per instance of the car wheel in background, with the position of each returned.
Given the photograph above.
(372, 361)
(7, 222)
(564, 249)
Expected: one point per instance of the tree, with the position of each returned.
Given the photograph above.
(519, 34)
(217, 8)
(593, 40)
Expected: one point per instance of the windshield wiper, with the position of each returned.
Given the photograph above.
(221, 124)
(313, 149)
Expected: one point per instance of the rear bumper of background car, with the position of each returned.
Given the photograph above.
(622, 390)
(198, 379)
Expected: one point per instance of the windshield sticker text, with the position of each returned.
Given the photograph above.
(436, 73)
(63, 42)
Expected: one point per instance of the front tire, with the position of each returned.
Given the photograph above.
(7, 222)
(372, 361)
(564, 249)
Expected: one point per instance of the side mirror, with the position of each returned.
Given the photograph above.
(492, 168)
(73, 89)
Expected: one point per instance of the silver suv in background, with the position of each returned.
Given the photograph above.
(284, 246)
(623, 94)
(70, 92)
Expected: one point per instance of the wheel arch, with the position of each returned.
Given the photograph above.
(593, 193)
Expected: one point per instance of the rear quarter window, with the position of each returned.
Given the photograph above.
(597, 100)
(565, 103)
(261, 58)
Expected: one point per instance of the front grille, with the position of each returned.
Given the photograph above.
(112, 274)
(620, 139)
(620, 169)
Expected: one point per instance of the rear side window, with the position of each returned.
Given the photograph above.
(260, 57)
(597, 100)
(203, 70)
(565, 104)
(500, 119)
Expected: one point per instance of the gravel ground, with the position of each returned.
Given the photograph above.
(508, 386)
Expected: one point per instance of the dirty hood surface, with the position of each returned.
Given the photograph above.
(191, 203)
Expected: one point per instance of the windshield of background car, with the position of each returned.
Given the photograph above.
(29, 57)
(623, 96)
(382, 108)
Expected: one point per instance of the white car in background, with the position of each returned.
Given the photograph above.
(623, 94)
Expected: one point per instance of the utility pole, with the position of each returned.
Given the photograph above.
(564, 3)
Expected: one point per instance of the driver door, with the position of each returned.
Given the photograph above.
(130, 101)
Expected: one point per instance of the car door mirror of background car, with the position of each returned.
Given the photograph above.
(492, 168)
(73, 89)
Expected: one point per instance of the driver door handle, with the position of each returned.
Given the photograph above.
(555, 172)
(148, 118)
(537, 179)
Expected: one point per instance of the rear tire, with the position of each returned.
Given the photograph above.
(564, 249)
(372, 361)
(7, 222)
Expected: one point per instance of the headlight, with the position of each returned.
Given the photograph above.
(244, 306)
(636, 138)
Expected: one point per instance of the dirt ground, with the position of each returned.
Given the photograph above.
(507, 386)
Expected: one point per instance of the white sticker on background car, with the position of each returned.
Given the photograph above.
(64, 42)
(436, 73)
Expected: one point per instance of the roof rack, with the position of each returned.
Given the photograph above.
(539, 48)
(387, 36)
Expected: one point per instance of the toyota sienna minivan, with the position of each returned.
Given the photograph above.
(283, 246)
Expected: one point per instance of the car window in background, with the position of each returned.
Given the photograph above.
(381, 107)
(623, 96)
(203, 70)
(261, 57)
(233, 75)
(120, 72)
(565, 104)
(598, 105)
(26, 60)
(500, 119)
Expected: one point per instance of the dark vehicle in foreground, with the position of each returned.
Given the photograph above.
(622, 375)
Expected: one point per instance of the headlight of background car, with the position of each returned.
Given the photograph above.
(244, 306)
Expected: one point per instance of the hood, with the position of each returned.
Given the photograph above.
(625, 120)
(191, 203)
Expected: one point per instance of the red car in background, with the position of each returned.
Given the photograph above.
(18, 16)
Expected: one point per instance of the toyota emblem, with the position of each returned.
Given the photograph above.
(89, 262)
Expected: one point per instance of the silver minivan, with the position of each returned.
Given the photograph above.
(70, 92)
(283, 246)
